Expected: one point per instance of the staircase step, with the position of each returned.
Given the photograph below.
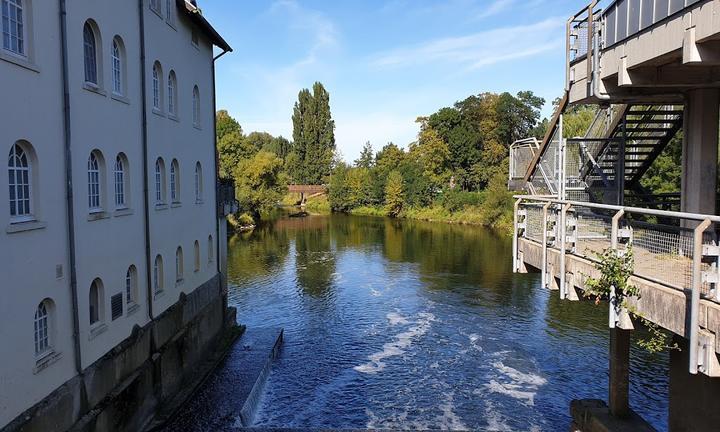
(650, 121)
(656, 112)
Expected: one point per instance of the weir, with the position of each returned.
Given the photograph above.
(652, 69)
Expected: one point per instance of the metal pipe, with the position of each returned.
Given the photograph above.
(146, 193)
(70, 210)
(695, 294)
(515, 235)
(563, 233)
(543, 271)
(595, 87)
(652, 212)
(216, 164)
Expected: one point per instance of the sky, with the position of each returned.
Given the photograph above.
(384, 63)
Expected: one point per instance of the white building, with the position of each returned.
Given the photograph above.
(108, 208)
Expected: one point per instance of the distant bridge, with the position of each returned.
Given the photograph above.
(307, 189)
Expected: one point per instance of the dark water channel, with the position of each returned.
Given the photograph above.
(401, 324)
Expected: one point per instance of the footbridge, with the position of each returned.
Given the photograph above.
(652, 69)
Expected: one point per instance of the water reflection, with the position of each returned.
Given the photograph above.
(405, 324)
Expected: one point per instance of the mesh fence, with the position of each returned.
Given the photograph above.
(521, 156)
(593, 232)
(534, 222)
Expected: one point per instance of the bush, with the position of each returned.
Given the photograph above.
(456, 200)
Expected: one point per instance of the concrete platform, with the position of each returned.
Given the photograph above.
(593, 415)
(227, 398)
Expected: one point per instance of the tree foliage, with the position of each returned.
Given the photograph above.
(313, 136)
(259, 182)
(394, 194)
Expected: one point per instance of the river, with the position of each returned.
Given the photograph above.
(398, 324)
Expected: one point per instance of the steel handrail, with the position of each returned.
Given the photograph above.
(639, 210)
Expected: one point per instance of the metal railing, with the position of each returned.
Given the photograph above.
(522, 153)
(682, 256)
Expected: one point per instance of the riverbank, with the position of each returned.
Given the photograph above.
(493, 212)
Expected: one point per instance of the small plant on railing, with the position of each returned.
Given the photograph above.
(615, 268)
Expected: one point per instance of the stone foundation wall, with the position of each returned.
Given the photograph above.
(123, 389)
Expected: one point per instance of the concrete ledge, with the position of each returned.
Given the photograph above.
(593, 415)
(228, 397)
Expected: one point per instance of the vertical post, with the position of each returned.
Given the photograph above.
(613, 306)
(618, 396)
(543, 270)
(515, 235)
(562, 142)
(620, 169)
(591, 22)
(563, 234)
(695, 295)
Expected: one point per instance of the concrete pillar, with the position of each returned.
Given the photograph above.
(700, 151)
(618, 399)
(693, 399)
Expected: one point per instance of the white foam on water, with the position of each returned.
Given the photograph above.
(374, 292)
(395, 318)
(400, 343)
(449, 419)
(521, 386)
(495, 421)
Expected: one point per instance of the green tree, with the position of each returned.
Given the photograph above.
(259, 183)
(225, 124)
(313, 135)
(432, 154)
(366, 156)
(394, 194)
(339, 193)
(259, 141)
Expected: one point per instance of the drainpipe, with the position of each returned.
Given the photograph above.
(143, 109)
(595, 58)
(69, 188)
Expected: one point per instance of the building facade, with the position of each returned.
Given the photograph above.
(109, 203)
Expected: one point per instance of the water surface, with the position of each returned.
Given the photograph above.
(402, 324)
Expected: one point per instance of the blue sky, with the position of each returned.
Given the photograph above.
(383, 62)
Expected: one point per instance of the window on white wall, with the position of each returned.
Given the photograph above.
(90, 44)
(121, 179)
(20, 184)
(13, 26)
(155, 5)
(158, 282)
(159, 181)
(170, 12)
(156, 89)
(94, 175)
(179, 265)
(196, 261)
(175, 181)
(118, 66)
(198, 182)
(196, 106)
(131, 285)
(43, 342)
(96, 302)
(172, 93)
(210, 249)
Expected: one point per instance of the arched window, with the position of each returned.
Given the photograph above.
(42, 323)
(198, 182)
(96, 302)
(94, 168)
(131, 285)
(179, 265)
(121, 180)
(175, 181)
(118, 66)
(13, 26)
(172, 93)
(158, 281)
(155, 5)
(210, 249)
(196, 106)
(157, 86)
(90, 51)
(197, 256)
(159, 181)
(19, 182)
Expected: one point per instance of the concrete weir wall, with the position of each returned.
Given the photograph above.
(123, 389)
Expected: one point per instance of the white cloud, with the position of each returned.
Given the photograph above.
(478, 49)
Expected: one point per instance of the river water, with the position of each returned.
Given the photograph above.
(402, 324)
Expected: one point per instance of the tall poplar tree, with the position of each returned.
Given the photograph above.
(314, 136)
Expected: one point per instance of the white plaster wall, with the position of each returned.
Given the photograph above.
(31, 109)
(174, 225)
(106, 247)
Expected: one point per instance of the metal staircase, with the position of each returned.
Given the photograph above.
(646, 130)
